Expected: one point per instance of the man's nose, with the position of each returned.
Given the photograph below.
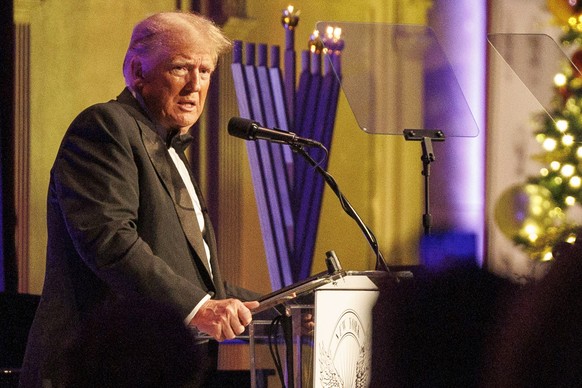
(193, 83)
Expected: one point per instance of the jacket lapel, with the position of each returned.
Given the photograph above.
(174, 184)
(209, 236)
(170, 178)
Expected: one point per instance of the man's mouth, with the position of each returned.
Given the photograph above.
(187, 105)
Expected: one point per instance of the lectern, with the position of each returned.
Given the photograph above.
(337, 352)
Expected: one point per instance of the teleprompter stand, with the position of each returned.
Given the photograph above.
(426, 137)
(406, 82)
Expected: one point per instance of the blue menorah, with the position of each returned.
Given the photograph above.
(288, 191)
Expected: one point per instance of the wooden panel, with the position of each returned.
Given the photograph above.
(22, 151)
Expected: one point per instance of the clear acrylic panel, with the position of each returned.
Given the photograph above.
(389, 73)
(541, 83)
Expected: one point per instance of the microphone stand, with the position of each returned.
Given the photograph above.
(348, 208)
(427, 157)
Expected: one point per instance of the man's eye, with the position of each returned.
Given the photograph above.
(180, 70)
(205, 73)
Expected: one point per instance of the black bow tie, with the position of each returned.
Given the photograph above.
(179, 142)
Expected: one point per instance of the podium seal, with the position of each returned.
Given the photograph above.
(345, 361)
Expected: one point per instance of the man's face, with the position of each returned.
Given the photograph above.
(175, 82)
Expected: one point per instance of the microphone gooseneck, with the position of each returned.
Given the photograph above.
(251, 130)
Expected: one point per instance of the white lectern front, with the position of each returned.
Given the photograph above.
(337, 353)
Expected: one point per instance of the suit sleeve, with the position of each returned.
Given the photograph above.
(97, 189)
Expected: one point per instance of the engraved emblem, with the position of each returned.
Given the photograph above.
(345, 361)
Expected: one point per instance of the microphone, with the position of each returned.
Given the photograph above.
(251, 130)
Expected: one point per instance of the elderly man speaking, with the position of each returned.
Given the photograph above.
(125, 216)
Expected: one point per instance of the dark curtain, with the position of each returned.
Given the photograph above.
(8, 267)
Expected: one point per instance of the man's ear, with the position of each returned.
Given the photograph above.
(137, 72)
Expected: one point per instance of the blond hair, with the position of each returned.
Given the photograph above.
(162, 29)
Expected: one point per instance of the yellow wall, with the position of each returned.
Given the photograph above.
(77, 50)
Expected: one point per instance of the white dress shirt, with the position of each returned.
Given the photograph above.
(198, 209)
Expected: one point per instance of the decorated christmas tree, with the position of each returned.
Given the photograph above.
(536, 215)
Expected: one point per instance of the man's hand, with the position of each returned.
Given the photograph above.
(307, 324)
(225, 318)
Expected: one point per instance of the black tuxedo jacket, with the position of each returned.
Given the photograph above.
(120, 223)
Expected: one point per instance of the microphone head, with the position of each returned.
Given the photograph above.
(242, 128)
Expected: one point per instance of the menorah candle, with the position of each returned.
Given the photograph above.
(277, 88)
(265, 87)
(239, 79)
(290, 19)
(302, 89)
(339, 45)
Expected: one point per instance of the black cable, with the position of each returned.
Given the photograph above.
(274, 347)
(346, 206)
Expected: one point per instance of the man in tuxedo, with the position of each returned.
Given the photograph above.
(125, 217)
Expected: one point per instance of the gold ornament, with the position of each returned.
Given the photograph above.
(528, 215)
(526, 212)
